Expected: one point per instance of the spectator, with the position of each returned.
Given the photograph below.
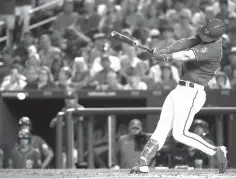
(233, 80)
(167, 34)
(130, 53)
(14, 81)
(24, 155)
(184, 29)
(113, 82)
(129, 146)
(154, 38)
(134, 17)
(155, 73)
(80, 73)
(47, 51)
(6, 63)
(66, 18)
(37, 142)
(103, 49)
(22, 49)
(101, 77)
(225, 15)
(57, 64)
(125, 71)
(220, 81)
(152, 15)
(229, 69)
(142, 71)
(167, 81)
(32, 79)
(45, 79)
(135, 83)
(65, 77)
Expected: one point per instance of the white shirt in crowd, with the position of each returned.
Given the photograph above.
(97, 67)
(155, 73)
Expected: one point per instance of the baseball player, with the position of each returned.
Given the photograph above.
(201, 56)
(24, 155)
(37, 142)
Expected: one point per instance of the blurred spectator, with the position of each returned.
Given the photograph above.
(167, 34)
(47, 51)
(220, 81)
(129, 146)
(37, 142)
(80, 73)
(101, 77)
(155, 73)
(153, 11)
(24, 155)
(130, 54)
(141, 71)
(66, 18)
(167, 81)
(229, 69)
(111, 17)
(45, 79)
(56, 66)
(135, 83)
(64, 78)
(103, 49)
(14, 81)
(226, 44)
(134, 19)
(113, 82)
(154, 38)
(22, 49)
(6, 63)
(32, 79)
(225, 15)
(184, 28)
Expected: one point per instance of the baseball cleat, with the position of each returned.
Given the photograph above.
(221, 158)
(140, 168)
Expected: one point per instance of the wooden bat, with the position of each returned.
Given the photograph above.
(125, 39)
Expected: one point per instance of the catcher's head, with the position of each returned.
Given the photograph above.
(212, 31)
(24, 137)
(25, 122)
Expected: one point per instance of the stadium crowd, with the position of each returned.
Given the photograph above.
(76, 49)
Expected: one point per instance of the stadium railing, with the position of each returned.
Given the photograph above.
(32, 11)
(111, 112)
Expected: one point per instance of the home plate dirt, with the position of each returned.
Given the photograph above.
(118, 174)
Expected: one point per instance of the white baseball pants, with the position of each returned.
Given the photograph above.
(177, 114)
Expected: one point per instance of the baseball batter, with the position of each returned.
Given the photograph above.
(201, 56)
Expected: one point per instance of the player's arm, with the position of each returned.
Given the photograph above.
(180, 45)
(48, 153)
(185, 55)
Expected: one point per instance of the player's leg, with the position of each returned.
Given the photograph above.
(185, 109)
(184, 115)
(158, 138)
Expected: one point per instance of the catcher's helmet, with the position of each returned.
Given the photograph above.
(212, 31)
(25, 121)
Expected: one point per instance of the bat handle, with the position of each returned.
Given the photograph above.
(153, 50)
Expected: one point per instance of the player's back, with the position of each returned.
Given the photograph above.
(208, 58)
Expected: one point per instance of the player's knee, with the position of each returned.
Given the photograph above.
(178, 135)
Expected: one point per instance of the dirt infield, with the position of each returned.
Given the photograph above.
(118, 174)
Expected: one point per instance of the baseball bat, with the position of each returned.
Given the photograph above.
(125, 39)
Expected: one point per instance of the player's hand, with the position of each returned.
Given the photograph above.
(161, 57)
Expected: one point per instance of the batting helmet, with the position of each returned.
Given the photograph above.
(25, 121)
(212, 31)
